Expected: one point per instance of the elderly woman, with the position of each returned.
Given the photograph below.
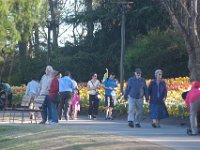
(158, 92)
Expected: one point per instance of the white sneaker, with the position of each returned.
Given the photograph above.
(53, 123)
(50, 121)
(90, 117)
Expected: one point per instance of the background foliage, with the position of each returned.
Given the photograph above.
(151, 42)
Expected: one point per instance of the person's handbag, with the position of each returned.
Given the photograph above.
(97, 95)
(184, 94)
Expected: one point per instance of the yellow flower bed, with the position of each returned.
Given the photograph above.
(175, 104)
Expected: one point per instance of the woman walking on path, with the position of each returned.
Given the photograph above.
(93, 86)
(54, 97)
(158, 92)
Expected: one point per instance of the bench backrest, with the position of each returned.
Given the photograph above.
(38, 101)
(25, 101)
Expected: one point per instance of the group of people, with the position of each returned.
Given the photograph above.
(135, 92)
(110, 84)
(61, 95)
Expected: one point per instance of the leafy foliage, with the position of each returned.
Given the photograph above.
(164, 50)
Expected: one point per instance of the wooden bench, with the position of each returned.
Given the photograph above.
(26, 103)
(24, 106)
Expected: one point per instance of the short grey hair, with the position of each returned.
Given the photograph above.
(158, 71)
(48, 69)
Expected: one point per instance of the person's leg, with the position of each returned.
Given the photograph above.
(49, 113)
(131, 109)
(139, 105)
(91, 97)
(68, 102)
(106, 106)
(61, 106)
(111, 107)
(96, 105)
(75, 114)
(54, 112)
(193, 116)
(44, 110)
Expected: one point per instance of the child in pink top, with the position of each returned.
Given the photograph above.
(76, 104)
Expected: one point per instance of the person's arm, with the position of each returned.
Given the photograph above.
(27, 89)
(165, 91)
(150, 88)
(146, 91)
(127, 90)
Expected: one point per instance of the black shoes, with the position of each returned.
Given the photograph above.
(137, 125)
(130, 124)
(153, 125)
(189, 132)
(109, 118)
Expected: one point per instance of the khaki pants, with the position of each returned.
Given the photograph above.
(135, 107)
(193, 116)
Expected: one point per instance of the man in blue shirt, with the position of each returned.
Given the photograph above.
(66, 87)
(135, 90)
(109, 85)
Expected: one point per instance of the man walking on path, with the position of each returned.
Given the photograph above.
(135, 90)
(66, 87)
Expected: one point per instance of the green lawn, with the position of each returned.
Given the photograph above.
(37, 137)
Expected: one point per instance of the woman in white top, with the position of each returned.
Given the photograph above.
(93, 86)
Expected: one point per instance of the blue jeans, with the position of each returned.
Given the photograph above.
(54, 111)
(46, 110)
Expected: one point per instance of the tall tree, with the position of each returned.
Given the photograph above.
(90, 25)
(26, 14)
(185, 17)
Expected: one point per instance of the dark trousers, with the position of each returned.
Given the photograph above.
(93, 105)
(65, 104)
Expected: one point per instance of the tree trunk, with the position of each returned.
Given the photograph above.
(54, 21)
(11, 68)
(36, 45)
(184, 16)
(90, 25)
(22, 57)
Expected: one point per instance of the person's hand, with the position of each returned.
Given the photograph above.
(125, 97)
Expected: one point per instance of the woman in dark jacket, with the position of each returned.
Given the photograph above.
(158, 92)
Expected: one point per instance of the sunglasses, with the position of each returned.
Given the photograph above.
(138, 73)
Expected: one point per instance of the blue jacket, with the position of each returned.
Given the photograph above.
(136, 88)
(110, 84)
(157, 92)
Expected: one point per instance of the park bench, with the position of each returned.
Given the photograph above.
(27, 105)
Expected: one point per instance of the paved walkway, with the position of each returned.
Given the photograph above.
(169, 136)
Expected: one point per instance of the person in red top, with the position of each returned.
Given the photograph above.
(54, 96)
(193, 105)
